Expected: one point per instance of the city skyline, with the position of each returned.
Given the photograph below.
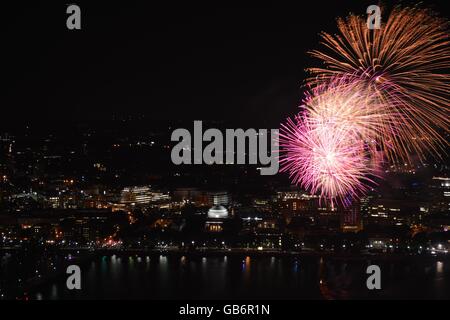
(89, 129)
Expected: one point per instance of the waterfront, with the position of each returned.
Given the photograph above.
(158, 277)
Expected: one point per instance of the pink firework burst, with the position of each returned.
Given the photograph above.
(325, 159)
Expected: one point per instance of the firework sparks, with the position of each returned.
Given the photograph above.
(348, 105)
(406, 64)
(324, 158)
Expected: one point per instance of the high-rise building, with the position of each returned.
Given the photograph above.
(441, 197)
(351, 218)
(221, 198)
(141, 196)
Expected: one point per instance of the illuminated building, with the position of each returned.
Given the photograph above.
(216, 216)
(351, 218)
(136, 196)
(221, 198)
(295, 203)
(388, 212)
(442, 182)
(441, 198)
(218, 212)
(54, 202)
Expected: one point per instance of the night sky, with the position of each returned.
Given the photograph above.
(164, 62)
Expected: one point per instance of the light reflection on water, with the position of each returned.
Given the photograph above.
(244, 277)
(439, 267)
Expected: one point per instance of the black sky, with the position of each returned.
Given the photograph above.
(164, 62)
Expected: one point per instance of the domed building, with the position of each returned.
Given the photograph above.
(218, 212)
(216, 216)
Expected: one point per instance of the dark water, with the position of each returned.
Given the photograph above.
(241, 277)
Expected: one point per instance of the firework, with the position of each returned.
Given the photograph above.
(324, 158)
(405, 63)
(345, 103)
